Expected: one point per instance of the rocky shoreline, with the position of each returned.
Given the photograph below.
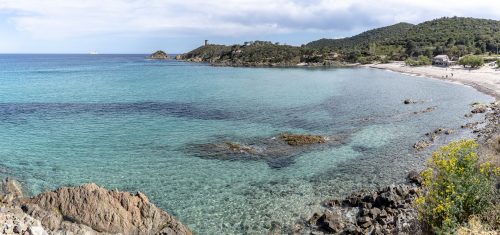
(390, 210)
(87, 209)
(384, 211)
(268, 65)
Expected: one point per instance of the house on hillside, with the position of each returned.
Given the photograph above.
(441, 60)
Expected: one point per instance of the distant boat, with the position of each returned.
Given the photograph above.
(93, 53)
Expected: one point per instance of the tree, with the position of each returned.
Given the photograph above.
(472, 61)
(421, 60)
(410, 47)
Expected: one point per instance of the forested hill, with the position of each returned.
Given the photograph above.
(259, 53)
(386, 34)
(455, 36)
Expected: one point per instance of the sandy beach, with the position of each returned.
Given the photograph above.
(485, 79)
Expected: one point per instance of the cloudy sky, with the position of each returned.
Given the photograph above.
(141, 26)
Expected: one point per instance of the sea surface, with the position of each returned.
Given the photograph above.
(134, 124)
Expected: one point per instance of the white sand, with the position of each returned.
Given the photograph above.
(485, 79)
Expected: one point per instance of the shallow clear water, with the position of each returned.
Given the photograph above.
(129, 123)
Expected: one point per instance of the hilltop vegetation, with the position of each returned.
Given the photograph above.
(384, 35)
(455, 37)
(257, 53)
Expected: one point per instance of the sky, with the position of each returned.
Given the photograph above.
(177, 26)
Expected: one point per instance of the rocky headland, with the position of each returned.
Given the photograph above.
(262, 54)
(86, 209)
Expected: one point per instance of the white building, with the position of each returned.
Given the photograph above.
(442, 60)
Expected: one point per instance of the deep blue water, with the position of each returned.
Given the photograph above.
(129, 123)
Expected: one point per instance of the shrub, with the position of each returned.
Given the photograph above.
(424, 60)
(421, 60)
(498, 63)
(472, 61)
(384, 60)
(410, 62)
(363, 60)
(456, 187)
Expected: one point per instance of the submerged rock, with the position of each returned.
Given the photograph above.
(278, 151)
(422, 144)
(237, 148)
(298, 140)
(427, 110)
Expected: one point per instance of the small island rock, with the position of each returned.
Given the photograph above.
(159, 55)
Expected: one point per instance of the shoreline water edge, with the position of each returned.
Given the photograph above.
(90, 209)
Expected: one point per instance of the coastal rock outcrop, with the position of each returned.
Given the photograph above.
(87, 209)
(159, 55)
(104, 211)
(479, 108)
(415, 177)
(385, 211)
(431, 137)
(10, 191)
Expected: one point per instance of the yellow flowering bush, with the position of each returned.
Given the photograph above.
(456, 186)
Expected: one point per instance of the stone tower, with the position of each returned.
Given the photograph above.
(206, 42)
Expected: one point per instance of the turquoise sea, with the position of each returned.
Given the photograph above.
(134, 124)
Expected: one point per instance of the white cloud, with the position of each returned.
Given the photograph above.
(173, 18)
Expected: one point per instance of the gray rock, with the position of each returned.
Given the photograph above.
(415, 177)
(10, 191)
(375, 212)
(104, 211)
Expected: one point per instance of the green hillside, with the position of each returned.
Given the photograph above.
(256, 53)
(455, 36)
(382, 35)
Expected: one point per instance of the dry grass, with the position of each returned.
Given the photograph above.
(490, 151)
(475, 227)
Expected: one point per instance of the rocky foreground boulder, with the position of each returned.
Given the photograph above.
(388, 210)
(87, 209)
